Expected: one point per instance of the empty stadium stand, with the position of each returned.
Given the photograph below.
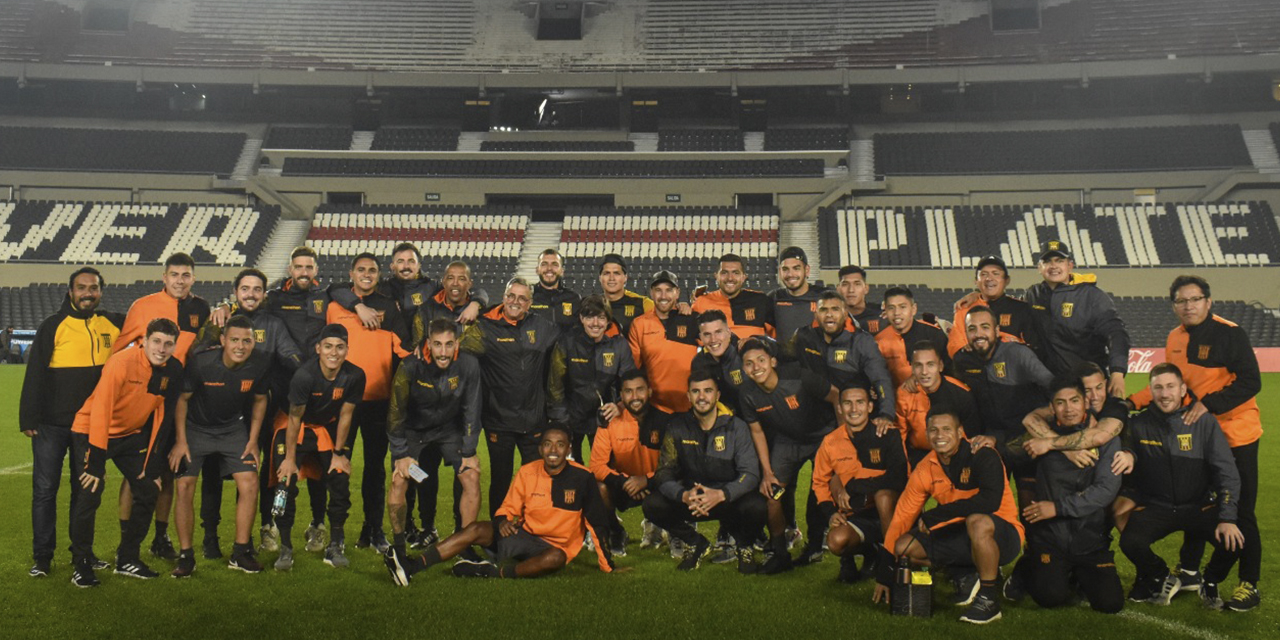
(115, 233)
(415, 139)
(700, 140)
(1066, 151)
(687, 240)
(555, 168)
(1237, 233)
(598, 146)
(807, 139)
(487, 238)
(119, 150)
(298, 137)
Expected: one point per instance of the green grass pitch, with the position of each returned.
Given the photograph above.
(651, 600)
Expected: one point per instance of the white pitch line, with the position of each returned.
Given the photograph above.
(10, 471)
(1176, 627)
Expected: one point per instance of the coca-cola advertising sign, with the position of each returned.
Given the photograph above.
(1141, 360)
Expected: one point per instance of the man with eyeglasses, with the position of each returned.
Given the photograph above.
(1221, 372)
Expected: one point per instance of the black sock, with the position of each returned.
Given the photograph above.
(398, 540)
(987, 588)
(124, 524)
(336, 535)
(507, 569)
(286, 537)
(187, 553)
(241, 548)
(431, 557)
(162, 529)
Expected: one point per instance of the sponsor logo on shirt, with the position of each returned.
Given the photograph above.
(1184, 441)
(1151, 443)
(506, 339)
(718, 443)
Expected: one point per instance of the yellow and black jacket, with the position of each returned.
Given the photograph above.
(64, 364)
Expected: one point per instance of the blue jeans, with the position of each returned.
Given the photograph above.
(49, 448)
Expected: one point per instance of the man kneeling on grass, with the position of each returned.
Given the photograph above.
(973, 530)
(537, 530)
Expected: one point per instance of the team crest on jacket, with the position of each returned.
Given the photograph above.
(875, 456)
(1045, 558)
(813, 307)
(280, 449)
(1203, 352)
(629, 311)
(653, 437)
(749, 314)
(533, 335)
(682, 331)
(964, 475)
(246, 386)
(736, 376)
(841, 355)
(793, 402)
(194, 319)
(1000, 372)
(417, 299)
(718, 443)
(259, 335)
(164, 383)
(453, 383)
(106, 340)
(566, 308)
(1006, 319)
(1184, 441)
(337, 393)
(608, 358)
(1067, 309)
(318, 305)
(570, 495)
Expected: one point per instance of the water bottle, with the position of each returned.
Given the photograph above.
(281, 501)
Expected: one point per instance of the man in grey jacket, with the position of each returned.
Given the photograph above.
(1078, 319)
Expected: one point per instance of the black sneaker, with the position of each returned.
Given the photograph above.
(747, 564)
(1190, 580)
(135, 569)
(691, 558)
(1245, 597)
(82, 576)
(98, 564)
(966, 589)
(397, 567)
(1209, 596)
(426, 538)
(618, 541)
(849, 571)
(810, 554)
(1169, 587)
(779, 562)
(335, 555)
(469, 569)
(212, 550)
(1145, 590)
(40, 569)
(162, 547)
(378, 540)
(1014, 590)
(363, 541)
(186, 566)
(245, 561)
(983, 610)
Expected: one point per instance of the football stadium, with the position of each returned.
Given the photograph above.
(697, 261)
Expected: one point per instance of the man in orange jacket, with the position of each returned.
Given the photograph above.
(974, 527)
(124, 421)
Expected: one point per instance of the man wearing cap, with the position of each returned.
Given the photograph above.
(627, 306)
(1014, 317)
(323, 396)
(663, 344)
(550, 297)
(795, 302)
(750, 313)
(853, 288)
(514, 348)
(1078, 319)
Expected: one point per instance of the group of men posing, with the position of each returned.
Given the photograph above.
(694, 410)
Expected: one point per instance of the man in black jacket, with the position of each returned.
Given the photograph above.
(551, 299)
(408, 286)
(587, 363)
(514, 348)
(1186, 480)
(63, 367)
(708, 470)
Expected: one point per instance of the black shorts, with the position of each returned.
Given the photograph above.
(787, 457)
(225, 445)
(424, 450)
(519, 546)
(867, 524)
(950, 545)
(621, 499)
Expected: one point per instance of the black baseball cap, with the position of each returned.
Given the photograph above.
(1055, 248)
(793, 252)
(664, 276)
(990, 260)
(613, 258)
